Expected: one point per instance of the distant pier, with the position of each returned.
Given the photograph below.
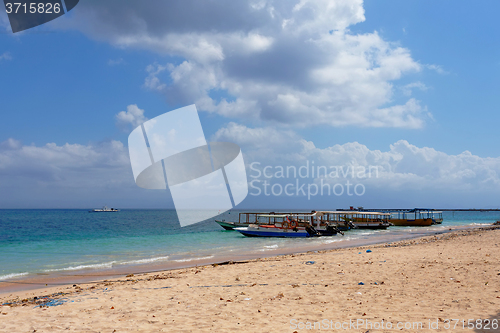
(425, 209)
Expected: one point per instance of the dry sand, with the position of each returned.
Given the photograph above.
(450, 276)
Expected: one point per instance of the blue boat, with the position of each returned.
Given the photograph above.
(272, 231)
(288, 226)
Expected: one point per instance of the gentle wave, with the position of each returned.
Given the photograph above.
(332, 240)
(107, 264)
(13, 275)
(144, 261)
(193, 259)
(75, 268)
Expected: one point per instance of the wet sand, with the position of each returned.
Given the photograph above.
(420, 282)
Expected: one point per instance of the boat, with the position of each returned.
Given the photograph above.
(247, 218)
(357, 219)
(231, 225)
(413, 218)
(334, 217)
(288, 226)
(435, 215)
(103, 209)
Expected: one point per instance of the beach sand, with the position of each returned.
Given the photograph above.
(435, 278)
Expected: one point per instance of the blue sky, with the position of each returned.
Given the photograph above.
(66, 81)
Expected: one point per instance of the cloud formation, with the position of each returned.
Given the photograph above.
(404, 167)
(408, 89)
(278, 61)
(69, 175)
(5, 56)
(66, 164)
(133, 117)
(74, 175)
(116, 62)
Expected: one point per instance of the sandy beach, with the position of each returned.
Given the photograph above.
(431, 284)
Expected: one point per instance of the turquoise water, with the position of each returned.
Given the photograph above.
(45, 241)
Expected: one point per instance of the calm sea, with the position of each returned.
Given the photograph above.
(34, 242)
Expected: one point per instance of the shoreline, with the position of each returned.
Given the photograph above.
(38, 281)
(422, 281)
(88, 278)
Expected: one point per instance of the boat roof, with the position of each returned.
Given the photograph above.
(285, 215)
(271, 215)
(302, 214)
(353, 212)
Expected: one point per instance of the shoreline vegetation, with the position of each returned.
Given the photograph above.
(428, 280)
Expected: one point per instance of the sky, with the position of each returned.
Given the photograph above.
(409, 88)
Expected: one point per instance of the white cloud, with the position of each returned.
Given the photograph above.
(437, 68)
(74, 175)
(403, 167)
(27, 172)
(116, 62)
(152, 81)
(51, 162)
(133, 116)
(408, 89)
(5, 56)
(288, 62)
(71, 175)
(69, 165)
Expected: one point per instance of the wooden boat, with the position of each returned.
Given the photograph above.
(288, 226)
(255, 230)
(357, 219)
(231, 225)
(334, 217)
(411, 223)
(247, 218)
(435, 215)
(413, 218)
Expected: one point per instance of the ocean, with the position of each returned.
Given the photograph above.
(44, 243)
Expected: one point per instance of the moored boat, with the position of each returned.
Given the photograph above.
(103, 210)
(357, 219)
(411, 223)
(435, 215)
(288, 226)
(231, 225)
(255, 230)
(247, 218)
(415, 218)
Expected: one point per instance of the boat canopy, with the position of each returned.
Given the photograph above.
(354, 212)
(285, 215)
(273, 215)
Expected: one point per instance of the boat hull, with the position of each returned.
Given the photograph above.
(366, 223)
(272, 232)
(372, 225)
(412, 223)
(437, 221)
(231, 225)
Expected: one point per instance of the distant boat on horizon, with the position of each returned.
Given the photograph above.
(103, 209)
